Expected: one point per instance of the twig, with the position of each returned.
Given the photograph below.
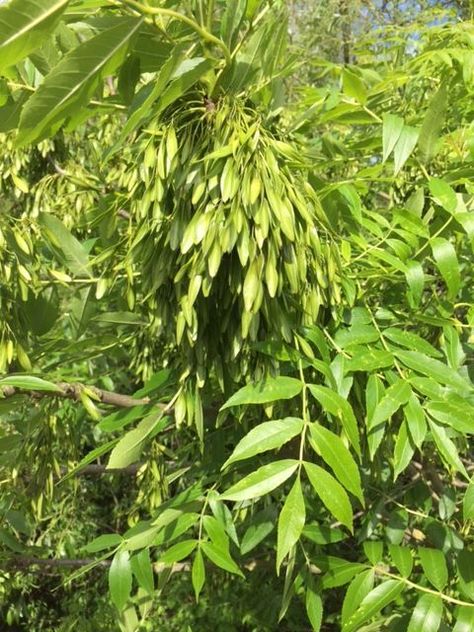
(73, 391)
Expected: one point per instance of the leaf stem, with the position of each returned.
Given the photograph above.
(447, 598)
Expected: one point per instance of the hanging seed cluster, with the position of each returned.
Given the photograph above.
(231, 240)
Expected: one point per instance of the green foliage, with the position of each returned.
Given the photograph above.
(282, 287)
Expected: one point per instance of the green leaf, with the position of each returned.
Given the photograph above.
(439, 371)
(433, 124)
(373, 603)
(262, 525)
(178, 552)
(368, 360)
(332, 494)
(447, 448)
(373, 550)
(353, 86)
(403, 452)
(198, 574)
(443, 194)
(434, 566)
(314, 607)
(142, 568)
(416, 282)
(395, 396)
(357, 590)
(91, 456)
(70, 85)
(465, 566)
(337, 571)
(457, 414)
(65, 246)
(427, 614)
(221, 557)
(120, 318)
(103, 542)
(262, 481)
(121, 418)
(216, 532)
(290, 522)
(392, 128)
(415, 419)
(270, 390)
(404, 147)
(231, 20)
(322, 534)
(446, 259)
(24, 24)
(337, 456)
(465, 619)
(128, 449)
(269, 435)
(29, 383)
(402, 559)
(120, 579)
(335, 404)
(411, 341)
(468, 502)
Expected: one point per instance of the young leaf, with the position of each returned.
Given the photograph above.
(415, 420)
(129, 447)
(269, 435)
(314, 607)
(143, 570)
(392, 128)
(24, 24)
(411, 341)
(70, 85)
(427, 614)
(433, 123)
(29, 383)
(395, 396)
(465, 619)
(357, 590)
(337, 456)
(178, 552)
(270, 390)
(335, 404)
(404, 147)
(445, 256)
(120, 579)
(290, 522)
(434, 566)
(447, 448)
(221, 557)
(332, 494)
(432, 368)
(403, 451)
(468, 502)
(67, 248)
(262, 481)
(373, 603)
(443, 194)
(402, 559)
(262, 525)
(102, 542)
(457, 414)
(416, 282)
(198, 574)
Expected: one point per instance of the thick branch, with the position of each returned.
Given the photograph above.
(73, 391)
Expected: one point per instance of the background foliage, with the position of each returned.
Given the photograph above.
(236, 334)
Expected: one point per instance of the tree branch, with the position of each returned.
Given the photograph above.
(73, 391)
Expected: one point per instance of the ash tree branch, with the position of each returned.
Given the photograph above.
(73, 391)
